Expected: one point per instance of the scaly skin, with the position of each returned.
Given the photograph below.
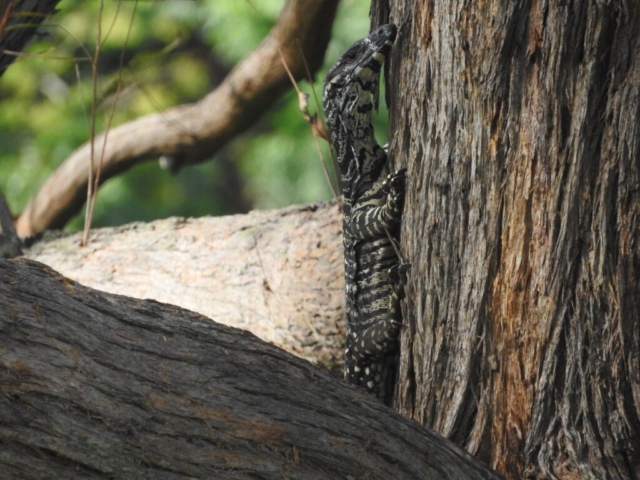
(373, 202)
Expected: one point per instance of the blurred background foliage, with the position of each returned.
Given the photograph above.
(175, 52)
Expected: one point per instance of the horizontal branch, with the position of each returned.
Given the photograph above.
(192, 133)
(96, 384)
(278, 274)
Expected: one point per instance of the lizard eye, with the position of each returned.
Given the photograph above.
(351, 55)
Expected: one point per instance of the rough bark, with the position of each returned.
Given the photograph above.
(520, 126)
(192, 133)
(10, 244)
(96, 385)
(278, 274)
(19, 20)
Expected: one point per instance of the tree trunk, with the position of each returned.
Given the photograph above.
(19, 20)
(519, 124)
(10, 244)
(278, 274)
(96, 385)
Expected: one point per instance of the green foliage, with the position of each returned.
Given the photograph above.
(46, 99)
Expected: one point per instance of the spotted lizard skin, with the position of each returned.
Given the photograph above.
(373, 202)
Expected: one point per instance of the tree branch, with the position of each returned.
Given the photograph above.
(95, 384)
(192, 133)
(278, 274)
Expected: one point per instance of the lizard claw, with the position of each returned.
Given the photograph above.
(395, 181)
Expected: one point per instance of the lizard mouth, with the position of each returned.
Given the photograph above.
(384, 34)
(381, 40)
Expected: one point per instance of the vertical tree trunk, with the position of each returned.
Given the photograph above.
(10, 244)
(520, 125)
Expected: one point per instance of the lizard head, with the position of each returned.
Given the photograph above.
(361, 63)
(350, 94)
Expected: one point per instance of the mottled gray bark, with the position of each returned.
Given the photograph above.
(96, 385)
(520, 126)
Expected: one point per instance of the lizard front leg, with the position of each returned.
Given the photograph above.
(369, 218)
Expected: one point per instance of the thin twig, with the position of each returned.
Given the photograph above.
(94, 102)
(317, 127)
(395, 245)
(70, 34)
(5, 18)
(113, 23)
(113, 108)
(334, 180)
(80, 88)
(40, 55)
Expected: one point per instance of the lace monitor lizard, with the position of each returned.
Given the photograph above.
(373, 201)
